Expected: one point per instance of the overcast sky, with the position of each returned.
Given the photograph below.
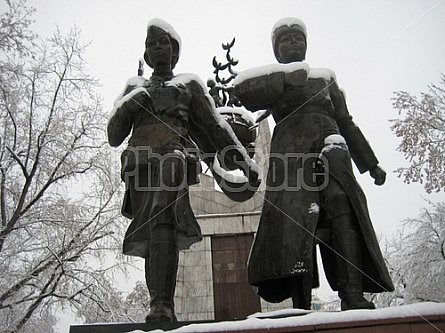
(375, 48)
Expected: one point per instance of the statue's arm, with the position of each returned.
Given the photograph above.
(119, 127)
(261, 87)
(122, 115)
(359, 148)
(216, 130)
(259, 93)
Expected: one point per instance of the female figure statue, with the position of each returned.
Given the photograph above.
(169, 117)
(311, 189)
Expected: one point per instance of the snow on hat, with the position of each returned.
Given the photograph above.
(171, 32)
(285, 25)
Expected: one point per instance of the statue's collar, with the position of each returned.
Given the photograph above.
(162, 76)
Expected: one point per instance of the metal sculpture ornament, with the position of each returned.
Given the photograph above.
(240, 120)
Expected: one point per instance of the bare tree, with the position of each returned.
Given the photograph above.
(118, 307)
(14, 28)
(416, 259)
(58, 208)
(422, 130)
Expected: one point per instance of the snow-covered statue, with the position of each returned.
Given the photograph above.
(171, 121)
(312, 196)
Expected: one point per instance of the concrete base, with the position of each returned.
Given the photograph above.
(130, 327)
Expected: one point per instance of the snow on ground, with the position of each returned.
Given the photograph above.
(296, 317)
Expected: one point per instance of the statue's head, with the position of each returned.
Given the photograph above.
(289, 40)
(157, 28)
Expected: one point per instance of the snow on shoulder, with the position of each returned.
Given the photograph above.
(270, 69)
(322, 73)
(137, 82)
(184, 78)
(312, 73)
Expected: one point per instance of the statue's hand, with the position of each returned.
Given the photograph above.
(251, 171)
(253, 177)
(378, 174)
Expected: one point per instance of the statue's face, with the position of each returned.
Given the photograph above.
(159, 49)
(292, 47)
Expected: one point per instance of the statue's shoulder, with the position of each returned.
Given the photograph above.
(267, 71)
(132, 84)
(322, 73)
(189, 80)
(136, 82)
(260, 87)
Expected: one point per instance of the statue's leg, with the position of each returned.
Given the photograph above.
(161, 267)
(162, 260)
(348, 252)
(347, 244)
(300, 289)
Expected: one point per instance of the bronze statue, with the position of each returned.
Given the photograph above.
(172, 121)
(312, 195)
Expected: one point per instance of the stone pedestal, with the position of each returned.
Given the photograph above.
(416, 318)
(130, 327)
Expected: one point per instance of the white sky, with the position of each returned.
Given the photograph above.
(375, 47)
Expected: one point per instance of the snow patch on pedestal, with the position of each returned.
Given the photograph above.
(296, 318)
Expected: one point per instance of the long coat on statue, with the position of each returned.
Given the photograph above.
(312, 144)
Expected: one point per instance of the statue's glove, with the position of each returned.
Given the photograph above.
(378, 174)
(252, 174)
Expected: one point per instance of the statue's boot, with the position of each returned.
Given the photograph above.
(346, 243)
(301, 291)
(161, 280)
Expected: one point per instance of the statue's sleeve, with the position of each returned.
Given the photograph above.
(261, 87)
(121, 119)
(359, 148)
(259, 93)
(211, 128)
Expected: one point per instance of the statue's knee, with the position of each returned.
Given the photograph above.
(162, 213)
(164, 233)
(337, 204)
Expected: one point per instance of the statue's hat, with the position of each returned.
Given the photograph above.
(283, 26)
(158, 26)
